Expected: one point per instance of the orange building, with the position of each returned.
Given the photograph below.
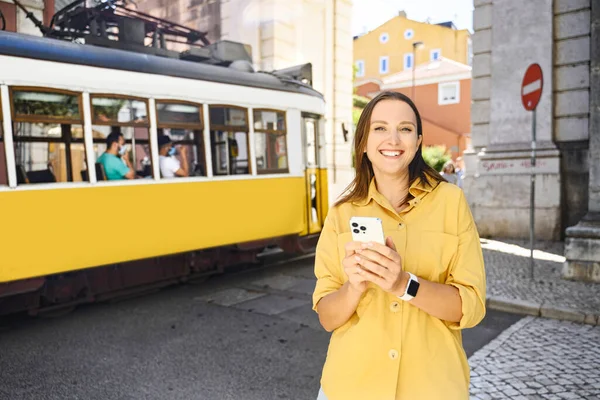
(442, 93)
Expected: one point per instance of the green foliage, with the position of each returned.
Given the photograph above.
(436, 156)
(356, 115)
(359, 101)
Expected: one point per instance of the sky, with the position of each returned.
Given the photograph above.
(369, 14)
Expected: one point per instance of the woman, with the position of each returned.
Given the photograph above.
(387, 343)
(450, 175)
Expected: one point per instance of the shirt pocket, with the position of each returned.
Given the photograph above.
(436, 252)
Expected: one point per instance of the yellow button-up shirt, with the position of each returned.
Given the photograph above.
(390, 349)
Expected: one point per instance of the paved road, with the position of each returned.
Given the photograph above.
(248, 336)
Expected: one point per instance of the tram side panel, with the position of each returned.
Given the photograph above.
(52, 231)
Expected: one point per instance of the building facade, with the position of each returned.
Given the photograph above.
(285, 33)
(16, 19)
(388, 49)
(563, 37)
(441, 91)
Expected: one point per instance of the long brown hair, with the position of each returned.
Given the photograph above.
(418, 168)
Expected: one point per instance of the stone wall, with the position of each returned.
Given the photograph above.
(571, 112)
(17, 18)
(201, 15)
(509, 36)
(582, 244)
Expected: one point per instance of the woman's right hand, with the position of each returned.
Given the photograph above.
(352, 269)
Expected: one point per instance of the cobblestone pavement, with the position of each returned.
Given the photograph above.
(511, 288)
(536, 358)
(539, 358)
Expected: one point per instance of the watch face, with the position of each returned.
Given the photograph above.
(413, 287)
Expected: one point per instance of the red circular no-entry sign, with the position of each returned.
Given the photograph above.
(531, 88)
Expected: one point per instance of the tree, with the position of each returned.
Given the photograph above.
(436, 156)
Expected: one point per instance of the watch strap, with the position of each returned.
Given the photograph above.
(412, 287)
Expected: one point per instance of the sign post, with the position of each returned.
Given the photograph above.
(531, 92)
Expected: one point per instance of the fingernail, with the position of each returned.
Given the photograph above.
(357, 258)
(370, 244)
(364, 245)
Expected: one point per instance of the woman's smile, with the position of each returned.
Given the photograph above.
(392, 154)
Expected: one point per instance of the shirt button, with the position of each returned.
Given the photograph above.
(394, 307)
(400, 225)
(393, 354)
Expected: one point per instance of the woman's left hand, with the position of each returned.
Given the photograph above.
(382, 265)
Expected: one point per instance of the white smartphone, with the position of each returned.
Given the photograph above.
(367, 229)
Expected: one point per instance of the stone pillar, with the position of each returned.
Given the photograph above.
(582, 246)
(339, 143)
(481, 91)
(509, 36)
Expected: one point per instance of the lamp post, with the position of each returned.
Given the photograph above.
(415, 45)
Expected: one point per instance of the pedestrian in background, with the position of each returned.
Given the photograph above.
(397, 310)
(449, 173)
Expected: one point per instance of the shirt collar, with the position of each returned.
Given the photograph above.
(418, 189)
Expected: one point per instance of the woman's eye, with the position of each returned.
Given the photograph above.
(406, 129)
(380, 128)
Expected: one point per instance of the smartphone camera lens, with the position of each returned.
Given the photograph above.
(356, 231)
(354, 225)
(362, 228)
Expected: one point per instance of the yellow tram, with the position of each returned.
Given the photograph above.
(67, 235)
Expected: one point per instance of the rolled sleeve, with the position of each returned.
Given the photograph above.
(327, 262)
(467, 271)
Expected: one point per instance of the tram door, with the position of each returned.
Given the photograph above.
(310, 128)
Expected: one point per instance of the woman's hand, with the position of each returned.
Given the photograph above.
(382, 265)
(357, 281)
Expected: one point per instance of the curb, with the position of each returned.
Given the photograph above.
(536, 309)
(498, 341)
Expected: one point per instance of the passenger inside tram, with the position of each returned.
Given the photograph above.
(170, 166)
(115, 159)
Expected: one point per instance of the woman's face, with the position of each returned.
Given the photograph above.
(392, 142)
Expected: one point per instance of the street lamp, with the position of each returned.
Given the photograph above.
(416, 45)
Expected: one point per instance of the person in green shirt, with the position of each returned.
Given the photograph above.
(115, 159)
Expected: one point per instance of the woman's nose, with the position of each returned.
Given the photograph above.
(395, 137)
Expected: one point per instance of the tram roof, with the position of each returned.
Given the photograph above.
(27, 46)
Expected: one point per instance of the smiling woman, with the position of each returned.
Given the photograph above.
(389, 112)
(396, 310)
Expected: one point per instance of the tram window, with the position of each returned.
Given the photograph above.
(48, 136)
(120, 110)
(129, 117)
(270, 141)
(228, 116)
(178, 113)
(136, 140)
(48, 152)
(182, 123)
(229, 140)
(49, 106)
